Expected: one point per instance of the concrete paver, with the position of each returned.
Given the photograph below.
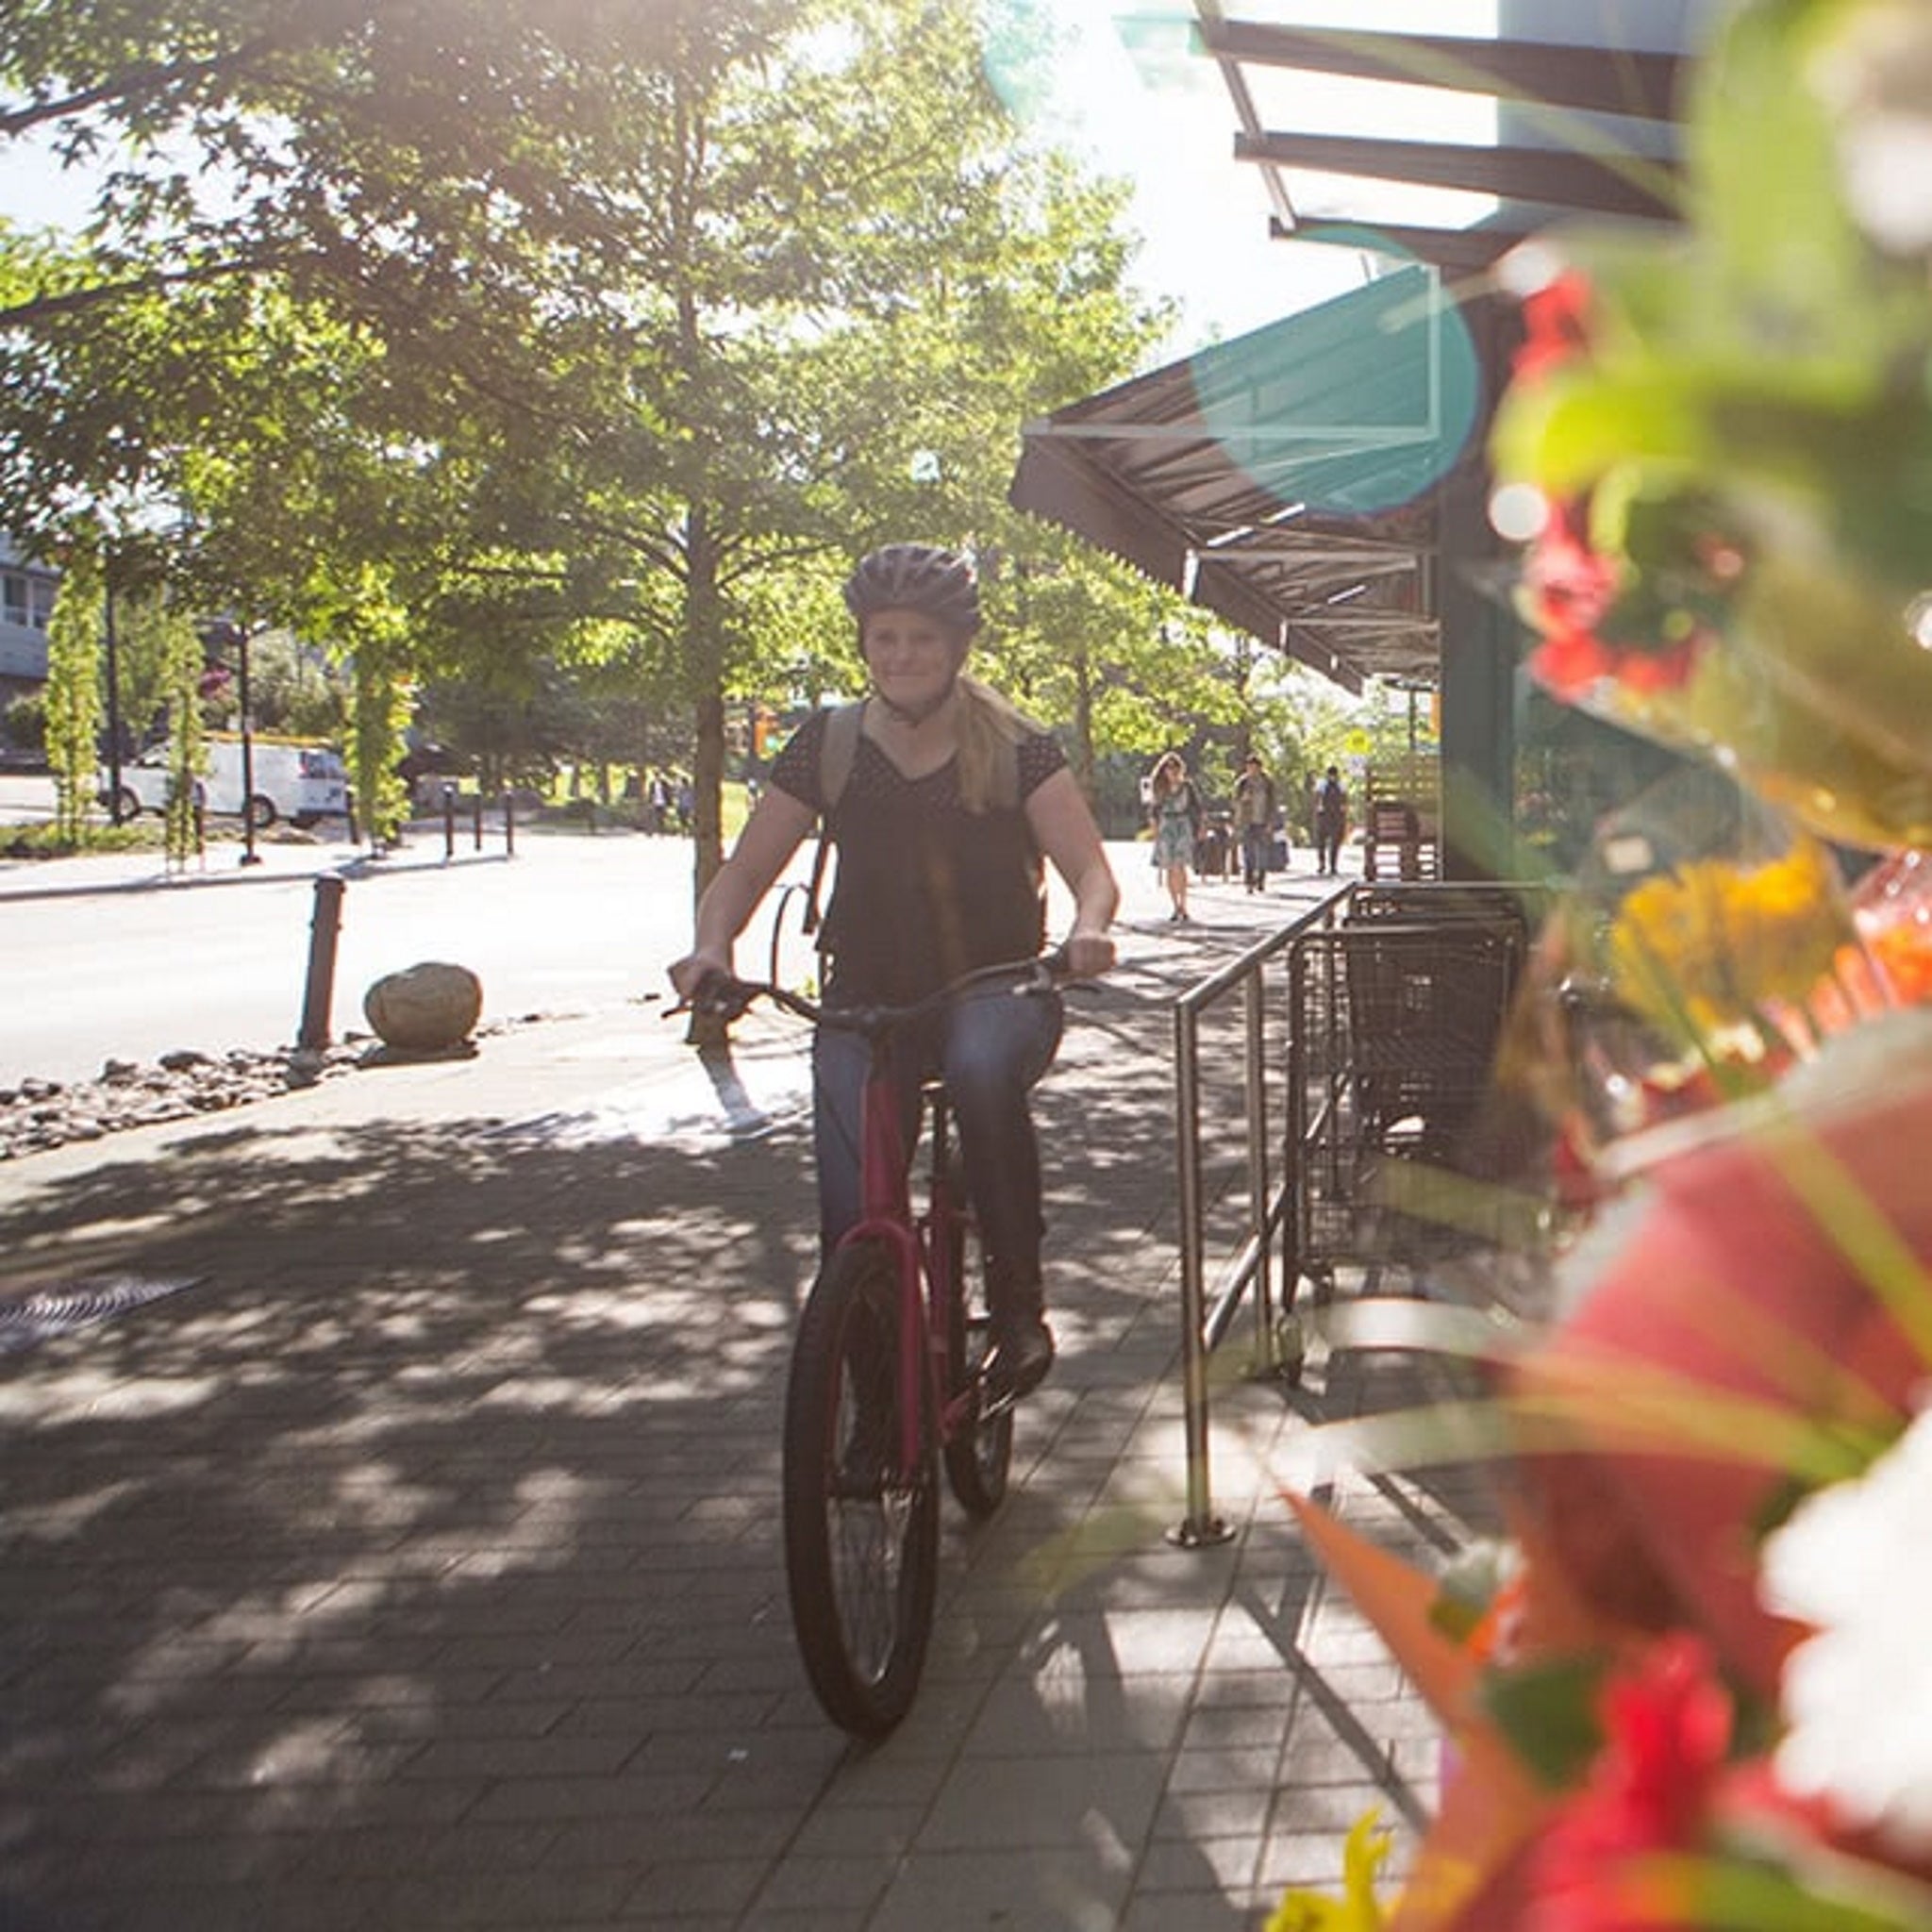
(420, 1566)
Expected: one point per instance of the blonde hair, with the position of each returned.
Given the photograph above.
(986, 721)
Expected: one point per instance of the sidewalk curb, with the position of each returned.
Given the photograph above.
(362, 866)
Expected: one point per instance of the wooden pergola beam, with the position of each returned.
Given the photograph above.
(1602, 182)
(1606, 80)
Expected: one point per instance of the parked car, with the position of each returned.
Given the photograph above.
(288, 780)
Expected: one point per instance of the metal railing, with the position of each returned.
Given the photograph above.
(1207, 1316)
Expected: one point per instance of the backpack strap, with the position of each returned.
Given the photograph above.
(838, 748)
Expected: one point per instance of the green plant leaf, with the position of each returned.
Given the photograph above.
(1548, 1713)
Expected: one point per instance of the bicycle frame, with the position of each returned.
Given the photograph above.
(860, 1515)
(919, 1255)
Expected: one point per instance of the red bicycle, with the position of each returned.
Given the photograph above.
(888, 1382)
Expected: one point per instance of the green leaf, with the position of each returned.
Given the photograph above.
(1548, 1713)
(1825, 1893)
(1767, 194)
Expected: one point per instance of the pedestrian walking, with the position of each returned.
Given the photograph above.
(1331, 822)
(1255, 807)
(1174, 806)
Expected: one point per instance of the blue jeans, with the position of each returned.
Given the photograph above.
(990, 1046)
(1258, 843)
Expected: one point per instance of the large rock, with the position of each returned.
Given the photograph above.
(425, 1008)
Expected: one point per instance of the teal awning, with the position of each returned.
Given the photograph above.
(1286, 479)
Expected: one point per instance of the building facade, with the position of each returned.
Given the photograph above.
(26, 602)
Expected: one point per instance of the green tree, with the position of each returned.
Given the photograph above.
(444, 181)
(372, 630)
(296, 688)
(178, 653)
(616, 328)
(1129, 667)
(842, 357)
(147, 642)
(341, 248)
(517, 728)
(73, 694)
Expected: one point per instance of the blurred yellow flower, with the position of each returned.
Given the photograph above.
(1715, 946)
(1357, 1909)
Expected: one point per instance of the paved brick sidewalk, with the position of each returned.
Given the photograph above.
(419, 1566)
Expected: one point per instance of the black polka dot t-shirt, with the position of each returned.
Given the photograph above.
(926, 890)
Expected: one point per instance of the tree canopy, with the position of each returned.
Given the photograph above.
(498, 339)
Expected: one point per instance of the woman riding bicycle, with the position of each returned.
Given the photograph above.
(950, 800)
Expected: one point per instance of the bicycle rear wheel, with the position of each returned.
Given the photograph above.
(979, 1451)
(861, 1534)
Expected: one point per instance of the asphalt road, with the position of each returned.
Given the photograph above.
(105, 958)
(132, 967)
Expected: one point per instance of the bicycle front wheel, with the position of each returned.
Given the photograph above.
(861, 1532)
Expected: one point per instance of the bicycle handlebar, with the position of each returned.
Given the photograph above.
(729, 998)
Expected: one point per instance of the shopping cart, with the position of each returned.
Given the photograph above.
(1407, 902)
(1393, 1029)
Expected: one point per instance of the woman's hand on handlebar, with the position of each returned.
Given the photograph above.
(1087, 955)
(689, 973)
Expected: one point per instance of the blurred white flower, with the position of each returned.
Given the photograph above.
(1855, 1562)
(1875, 75)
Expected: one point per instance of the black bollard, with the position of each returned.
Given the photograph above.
(477, 815)
(509, 826)
(325, 928)
(449, 820)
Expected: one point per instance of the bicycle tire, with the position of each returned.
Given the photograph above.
(979, 1453)
(861, 1559)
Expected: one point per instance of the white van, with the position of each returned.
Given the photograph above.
(292, 780)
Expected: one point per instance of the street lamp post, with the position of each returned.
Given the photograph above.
(113, 709)
(249, 855)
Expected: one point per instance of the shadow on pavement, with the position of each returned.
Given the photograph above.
(430, 1543)
(421, 1565)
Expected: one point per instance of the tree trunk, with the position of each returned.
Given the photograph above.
(1083, 723)
(703, 653)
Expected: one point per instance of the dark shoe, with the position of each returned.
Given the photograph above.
(1020, 1359)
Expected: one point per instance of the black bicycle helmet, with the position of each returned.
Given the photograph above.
(916, 577)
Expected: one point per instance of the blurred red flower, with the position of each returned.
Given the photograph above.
(1667, 1727)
